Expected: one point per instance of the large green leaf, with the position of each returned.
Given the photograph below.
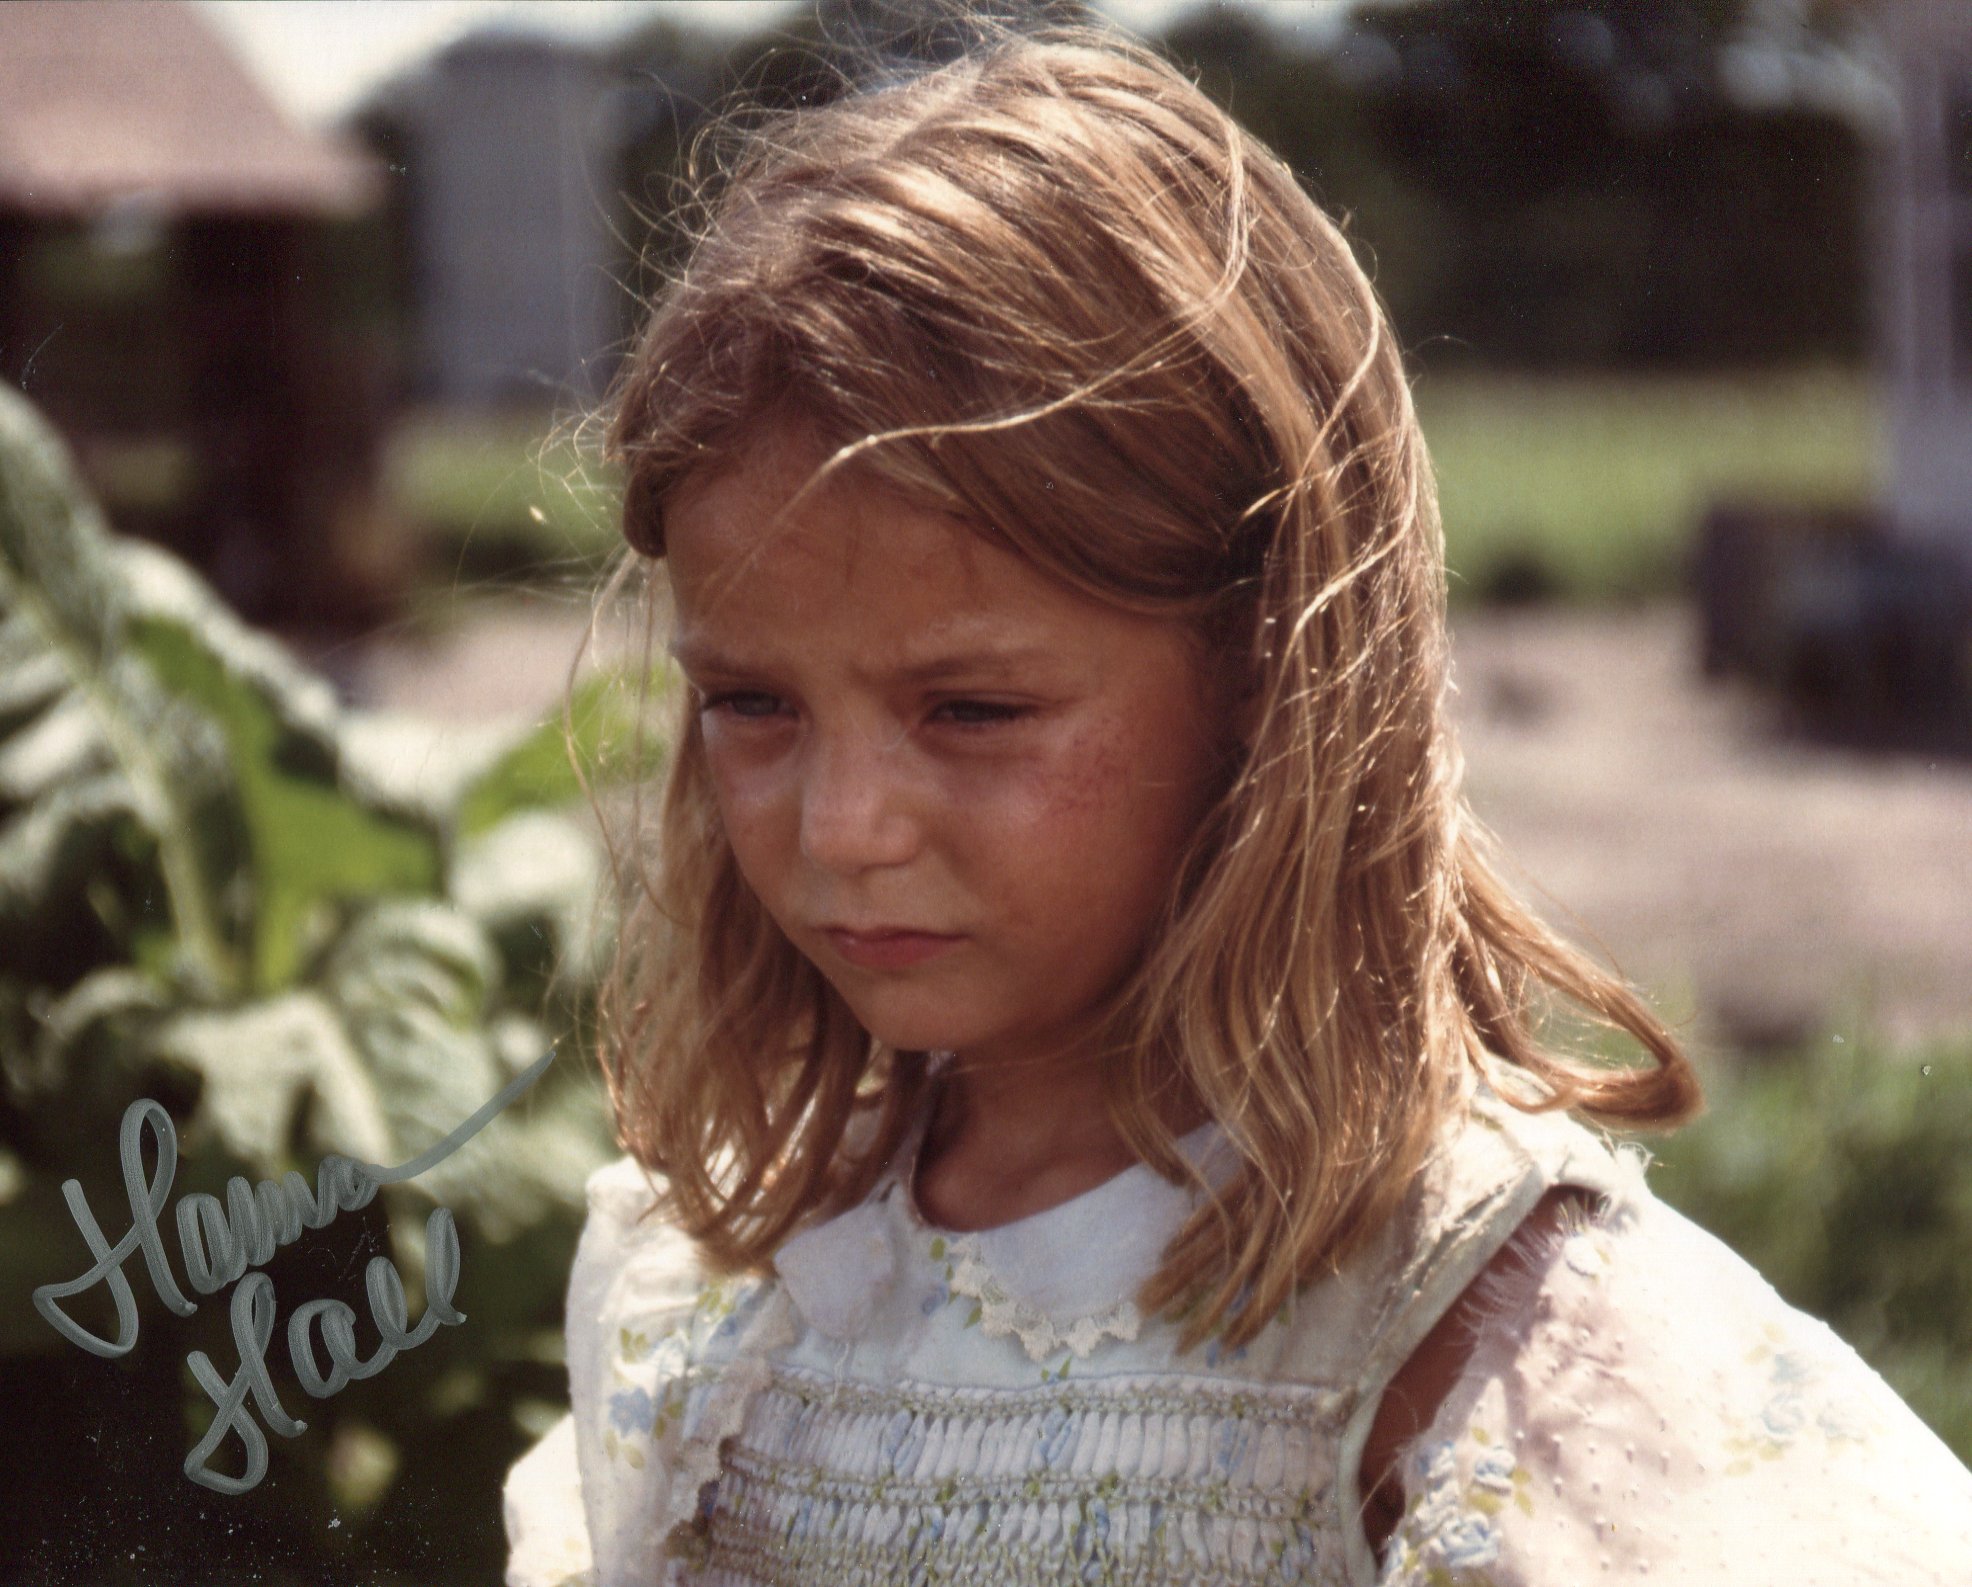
(79, 703)
(96, 1027)
(414, 983)
(312, 845)
(535, 881)
(402, 762)
(50, 848)
(605, 735)
(269, 1066)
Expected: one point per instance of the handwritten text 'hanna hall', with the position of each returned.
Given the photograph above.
(220, 1242)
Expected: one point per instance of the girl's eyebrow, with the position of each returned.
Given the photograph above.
(698, 657)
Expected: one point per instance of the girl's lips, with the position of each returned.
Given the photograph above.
(889, 951)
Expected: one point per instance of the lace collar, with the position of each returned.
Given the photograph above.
(1061, 1278)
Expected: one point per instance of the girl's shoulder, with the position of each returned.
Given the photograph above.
(1492, 1166)
(1639, 1399)
(627, 1245)
(1493, 1150)
(637, 1277)
(645, 1313)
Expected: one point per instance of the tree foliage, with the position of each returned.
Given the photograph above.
(1586, 184)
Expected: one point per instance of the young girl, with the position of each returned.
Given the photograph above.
(1078, 1067)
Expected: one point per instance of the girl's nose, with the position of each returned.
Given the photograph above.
(854, 804)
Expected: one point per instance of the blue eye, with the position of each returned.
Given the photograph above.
(989, 713)
(968, 714)
(716, 701)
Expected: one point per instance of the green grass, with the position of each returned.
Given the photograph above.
(1593, 489)
(503, 498)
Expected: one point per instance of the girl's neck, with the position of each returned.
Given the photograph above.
(999, 1146)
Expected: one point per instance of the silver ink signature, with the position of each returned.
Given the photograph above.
(218, 1242)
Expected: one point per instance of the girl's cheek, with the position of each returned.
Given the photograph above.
(1080, 783)
(738, 794)
(747, 803)
(1018, 792)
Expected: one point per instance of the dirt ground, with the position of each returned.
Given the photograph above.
(1764, 890)
(1774, 889)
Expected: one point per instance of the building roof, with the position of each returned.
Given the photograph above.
(101, 104)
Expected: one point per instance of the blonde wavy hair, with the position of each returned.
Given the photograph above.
(1051, 289)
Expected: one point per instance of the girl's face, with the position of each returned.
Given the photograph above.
(909, 728)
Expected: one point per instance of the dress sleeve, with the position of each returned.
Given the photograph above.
(547, 1537)
(586, 1481)
(1641, 1406)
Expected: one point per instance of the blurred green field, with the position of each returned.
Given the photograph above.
(1592, 490)
(502, 498)
(1579, 490)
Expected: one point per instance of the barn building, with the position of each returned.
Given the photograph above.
(182, 293)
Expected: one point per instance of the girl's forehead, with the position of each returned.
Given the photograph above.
(753, 523)
(857, 575)
(757, 565)
(890, 591)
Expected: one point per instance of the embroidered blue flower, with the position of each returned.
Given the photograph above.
(1845, 1420)
(1056, 1434)
(1449, 1525)
(1493, 1469)
(1783, 1416)
(1434, 1464)
(1092, 1539)
(902, 1438)
(1470, 1541)
(934, 1300)
(632, 1411)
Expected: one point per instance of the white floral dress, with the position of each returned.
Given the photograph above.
(899, 1404)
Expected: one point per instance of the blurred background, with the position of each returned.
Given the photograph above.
(302, 309)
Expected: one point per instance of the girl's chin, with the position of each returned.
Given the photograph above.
(906, 1037)
(932, 1030)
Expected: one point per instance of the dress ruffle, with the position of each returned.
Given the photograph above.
(1040, 1335)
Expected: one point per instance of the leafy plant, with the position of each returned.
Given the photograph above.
(220, 890)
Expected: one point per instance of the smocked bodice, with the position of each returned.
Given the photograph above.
(900, 1403)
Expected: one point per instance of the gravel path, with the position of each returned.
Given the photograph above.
(1764, 890)
(1774, 889)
